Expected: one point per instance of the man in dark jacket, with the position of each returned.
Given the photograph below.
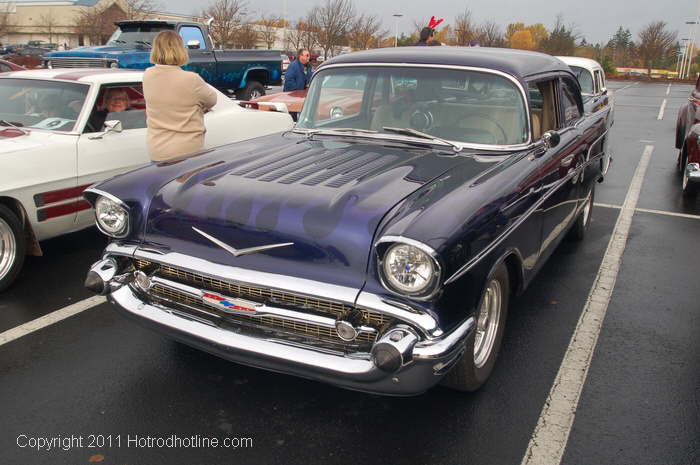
(295, 78)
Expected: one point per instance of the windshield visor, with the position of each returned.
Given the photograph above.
(49, 105)
(470, 107)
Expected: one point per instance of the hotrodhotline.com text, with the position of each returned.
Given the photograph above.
(101, 441)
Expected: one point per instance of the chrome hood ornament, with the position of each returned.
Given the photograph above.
(238, 252)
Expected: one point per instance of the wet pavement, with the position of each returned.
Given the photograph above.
(105, 379)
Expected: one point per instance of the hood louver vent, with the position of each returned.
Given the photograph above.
(317, 168)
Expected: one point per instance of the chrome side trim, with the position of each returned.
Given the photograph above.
(459, 68)
(99, 192)
(504, 235)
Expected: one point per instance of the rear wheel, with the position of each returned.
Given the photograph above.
(578, 231)
(12, 247)
(251, 91)
(479, 358)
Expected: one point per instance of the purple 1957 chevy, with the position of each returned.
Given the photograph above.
(375, 247)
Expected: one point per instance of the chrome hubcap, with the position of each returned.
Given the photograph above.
(8, 248)
(255, 94)
(487, 323)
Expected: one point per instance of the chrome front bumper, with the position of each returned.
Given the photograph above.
(422, 361)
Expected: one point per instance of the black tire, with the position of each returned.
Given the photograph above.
(12, 247)
(251, 91)
(468, 375)
(578, 230)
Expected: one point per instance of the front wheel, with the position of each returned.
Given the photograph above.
(12, 247)
(251, 91)
(484, 343)
(689, 188)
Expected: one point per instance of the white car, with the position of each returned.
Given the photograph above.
(591, 78)
(57, 138)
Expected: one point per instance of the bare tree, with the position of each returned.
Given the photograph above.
(304, 34)
(655, 43)
(139, 9)
(48, 24)
(365, 31)
(333, 19)
(490, 35)
(97, 23)
(464, 28)
(228, 17)
(270, 25)
(246, 36)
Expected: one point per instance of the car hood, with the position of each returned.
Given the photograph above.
(324, 197)
(103, 51)
(14, 140)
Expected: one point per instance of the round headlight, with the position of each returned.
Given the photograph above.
(111, 217)
(336, 112)
(114, 64)
(49, 65)
(408, 269)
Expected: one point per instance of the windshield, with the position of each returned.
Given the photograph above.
(49, 105)
(461, 106)
(585, 79)
(137, 35)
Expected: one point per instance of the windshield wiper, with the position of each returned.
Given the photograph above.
(142, 42)
(335, 131)
(15, 125)
(412, 132)
(119, 41)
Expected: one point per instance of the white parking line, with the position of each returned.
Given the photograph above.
(626, 87)
(51, 318)
(661, 110)
(551, 435)
(648, 210)
(668, 89)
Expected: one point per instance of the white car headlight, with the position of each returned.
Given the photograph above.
(114, 64)
(112, 218)
(408, 269)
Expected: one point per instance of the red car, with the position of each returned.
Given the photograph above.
(687, 140)
(7, 66)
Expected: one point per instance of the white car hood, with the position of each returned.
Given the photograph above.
(12, 141)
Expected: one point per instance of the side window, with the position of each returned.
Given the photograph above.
(192, 33)
(570, 104)
(600, 79)
(542, 107)
(123, 103)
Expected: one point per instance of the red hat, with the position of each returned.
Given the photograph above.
(434, 23)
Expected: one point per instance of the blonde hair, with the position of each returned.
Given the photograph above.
(168, 49)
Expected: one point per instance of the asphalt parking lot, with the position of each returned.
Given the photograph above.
(98, 376)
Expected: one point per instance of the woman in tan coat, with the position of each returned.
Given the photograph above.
(175, 100)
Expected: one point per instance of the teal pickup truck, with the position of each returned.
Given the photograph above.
(243, 72)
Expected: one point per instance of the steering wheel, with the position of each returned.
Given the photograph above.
(494, 125)
(479, 88)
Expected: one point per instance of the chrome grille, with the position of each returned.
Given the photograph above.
(72, 62)
(265, 295)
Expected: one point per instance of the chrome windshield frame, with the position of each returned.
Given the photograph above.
(463, 145)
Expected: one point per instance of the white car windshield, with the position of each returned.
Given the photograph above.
(49, 105)
(461, 106)
(585, 79)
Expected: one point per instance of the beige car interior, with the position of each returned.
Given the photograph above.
(544, 119)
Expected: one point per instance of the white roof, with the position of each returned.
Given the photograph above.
(87, 75)
(586, 63)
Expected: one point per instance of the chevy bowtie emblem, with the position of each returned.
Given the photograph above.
(238, 252)
(230, 305)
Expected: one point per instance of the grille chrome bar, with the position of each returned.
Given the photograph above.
(73, 62)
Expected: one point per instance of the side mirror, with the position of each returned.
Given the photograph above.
(550, 139)
(110, 126)
(193, 44)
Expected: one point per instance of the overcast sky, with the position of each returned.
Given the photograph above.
(596, 20)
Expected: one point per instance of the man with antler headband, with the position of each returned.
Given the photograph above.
(428, 32)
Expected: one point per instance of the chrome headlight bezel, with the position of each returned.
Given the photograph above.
(109, 205)
(386, 245)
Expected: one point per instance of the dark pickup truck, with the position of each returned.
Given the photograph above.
(245, 72)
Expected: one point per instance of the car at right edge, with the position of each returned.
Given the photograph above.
(688, 143)
(377, 249)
